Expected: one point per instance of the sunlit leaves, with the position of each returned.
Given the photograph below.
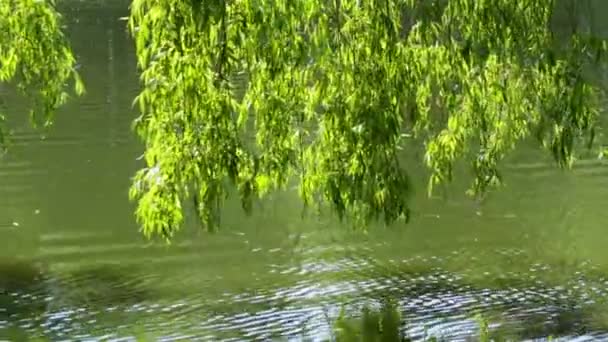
(329, 88)
(36, 56)
(506, 79)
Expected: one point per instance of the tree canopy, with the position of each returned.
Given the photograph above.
(335, 88)
(247, 96)
(36, 57)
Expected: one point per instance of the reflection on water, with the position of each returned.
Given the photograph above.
(530, 258)
(113, 301)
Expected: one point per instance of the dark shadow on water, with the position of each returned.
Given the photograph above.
(103, 286)
(35, 302)
(21, 289)
(22, 297)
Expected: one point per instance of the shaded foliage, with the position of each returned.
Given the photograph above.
(381, 325)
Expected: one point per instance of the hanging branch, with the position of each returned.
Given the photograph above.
(477, 76)
(35, 54)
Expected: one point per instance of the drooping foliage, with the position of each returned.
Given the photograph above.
(36, 57)
(334, 88)
(374, 325)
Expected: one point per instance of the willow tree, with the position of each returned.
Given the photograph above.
(333, 90)
(35, 57)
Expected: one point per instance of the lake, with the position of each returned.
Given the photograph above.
(531, 257)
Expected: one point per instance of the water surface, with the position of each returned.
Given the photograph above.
(73, 265)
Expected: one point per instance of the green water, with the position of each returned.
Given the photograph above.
(73, 265)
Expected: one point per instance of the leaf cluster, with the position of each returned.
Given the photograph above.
(334, 87)
(36, 57)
